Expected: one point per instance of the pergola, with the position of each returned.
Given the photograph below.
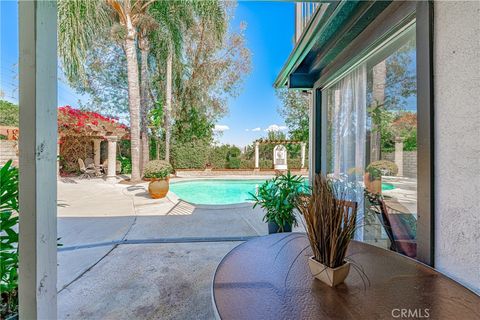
(77, 123)
(277, 142)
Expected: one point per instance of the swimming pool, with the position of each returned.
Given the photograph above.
(219, 191)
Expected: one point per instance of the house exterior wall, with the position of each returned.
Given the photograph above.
(457, 140)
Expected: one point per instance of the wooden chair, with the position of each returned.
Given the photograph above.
(87, 172)
(400, 228)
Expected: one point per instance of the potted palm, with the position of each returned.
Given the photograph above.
(277, 197)
(158, 172)
(330, 226)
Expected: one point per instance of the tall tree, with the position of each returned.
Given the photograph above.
(80, 23)
(178, 17)
(295, 111)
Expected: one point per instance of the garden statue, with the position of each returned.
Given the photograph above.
(280, 157)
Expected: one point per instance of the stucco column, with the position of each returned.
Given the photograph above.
(96, 152)
(257, 156)
(112, 158)
(399, 155)
(303, 155)
(37, 30)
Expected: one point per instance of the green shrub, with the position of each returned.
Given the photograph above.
(233, 152)
(191, 155)
(8, 239)
(277, 197)
(218, 157)
(126, 164)
(247, 164)
(386, 168)
(294, 163)
(9, 114)
(157, 169)
(266, 164)
(233, 163)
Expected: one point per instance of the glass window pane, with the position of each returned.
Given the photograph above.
(372, 143)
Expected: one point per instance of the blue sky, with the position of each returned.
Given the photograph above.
(269, 33)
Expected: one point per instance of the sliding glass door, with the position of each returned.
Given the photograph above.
(371, 141)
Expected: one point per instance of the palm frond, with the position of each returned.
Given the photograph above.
(79, 23)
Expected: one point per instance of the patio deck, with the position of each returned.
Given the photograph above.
(110, 236)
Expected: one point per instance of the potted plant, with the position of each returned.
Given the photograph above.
(277, 197)
(330, 226)
(373, 179)
(158, 172)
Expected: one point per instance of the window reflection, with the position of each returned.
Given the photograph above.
(372, 143)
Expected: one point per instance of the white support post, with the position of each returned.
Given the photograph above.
(399, 155)
(257, 156)
(303, 155)
(112, 159)
(96, 152)
(58, 157)
(38, 150)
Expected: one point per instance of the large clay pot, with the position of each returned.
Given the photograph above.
(158, 188)
(373, 186)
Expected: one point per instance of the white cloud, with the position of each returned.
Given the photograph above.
(275, 128)
(221, 128)
(256, 129)
(247, 129)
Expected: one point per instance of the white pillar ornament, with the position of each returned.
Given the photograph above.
(303, 155)
(399, 155)
(257, 155)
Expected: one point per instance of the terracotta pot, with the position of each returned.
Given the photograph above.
(329, 276)
(158, 188)
(373, 186)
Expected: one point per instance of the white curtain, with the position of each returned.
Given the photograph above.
(347, 104)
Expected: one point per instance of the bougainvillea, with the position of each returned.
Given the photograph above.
(72, 121)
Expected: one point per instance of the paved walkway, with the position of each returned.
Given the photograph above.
(127, 256)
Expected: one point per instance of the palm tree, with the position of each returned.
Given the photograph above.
(176, 17)
(80, 23)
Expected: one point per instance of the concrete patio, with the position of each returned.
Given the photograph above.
(111, 236)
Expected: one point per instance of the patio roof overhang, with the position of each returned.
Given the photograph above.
(331, 30)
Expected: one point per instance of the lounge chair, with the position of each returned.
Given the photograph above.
(87, 172)
(399, 226)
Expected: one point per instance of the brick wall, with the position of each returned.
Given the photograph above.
(8, 150)
(409, 162)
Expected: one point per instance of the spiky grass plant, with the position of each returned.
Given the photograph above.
(329, 221)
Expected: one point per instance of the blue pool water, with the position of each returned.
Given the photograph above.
(215, 191)
(222, 191)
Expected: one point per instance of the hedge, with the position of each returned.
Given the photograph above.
(233, 163)
(247, 164)
(294, 163)
(191, 155)
(266, 164)
(218, 157)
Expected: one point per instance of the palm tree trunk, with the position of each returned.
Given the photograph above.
(145, 107)
(168, 105)
(133, 98)
(379, 78)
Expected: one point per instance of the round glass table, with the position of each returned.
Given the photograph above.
(268, 278)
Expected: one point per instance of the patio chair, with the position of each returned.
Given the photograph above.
(89, 162)
(87, 172)
(399, 226)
